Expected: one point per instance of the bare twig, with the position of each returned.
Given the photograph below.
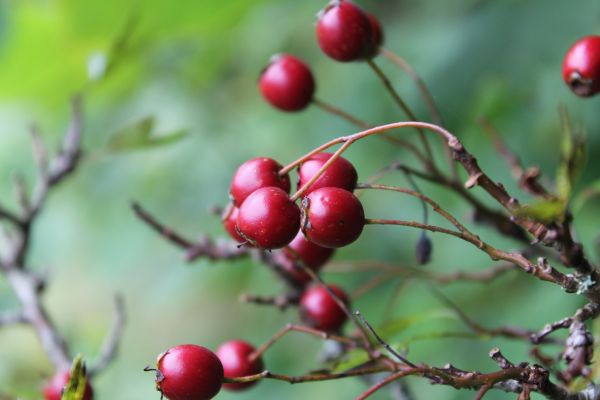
(111, 343)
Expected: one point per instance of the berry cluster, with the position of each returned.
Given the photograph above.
(323, 214)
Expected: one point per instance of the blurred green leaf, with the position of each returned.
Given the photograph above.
(75, 388)
(572, 158)
(543, 210)
(139, 136)
(586, 194)
(394, 327)
(352, 359)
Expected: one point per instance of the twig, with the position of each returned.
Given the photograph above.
(111, 343)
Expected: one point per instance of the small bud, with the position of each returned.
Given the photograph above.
(423, 249)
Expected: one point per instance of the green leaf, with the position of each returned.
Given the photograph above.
(588, 193)
(572, 158)
(543, 210)
(394, 327)
(75, 388)
(139, 135)
(352, 359)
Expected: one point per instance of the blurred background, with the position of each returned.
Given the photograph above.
(192, 66)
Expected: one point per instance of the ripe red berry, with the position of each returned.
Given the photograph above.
(344, 31)
(581, 66)
(53, 389)
(255, 174)
(229, 220)
(302, 251)
(376, 36)
(268, 219)
(332, 217)
(319, 310)
(341, 173)
(189, 372)
(287, 83)
(234, 356)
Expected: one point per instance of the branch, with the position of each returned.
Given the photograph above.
(111, 343)
(12, 318)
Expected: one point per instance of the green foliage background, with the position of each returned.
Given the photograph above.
(193, 65)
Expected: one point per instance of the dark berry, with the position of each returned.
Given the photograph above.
(287, 83)
(302, 251)
(376, 36)
(581, 66)
(234, 356)
(255, 174)
(268, 219)
(344, 31)
(189, 372)
(229, 220)
(332, 217)
(341, 173)
(319, 309)
(53, 389)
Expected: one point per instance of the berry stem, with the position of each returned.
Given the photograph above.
(401, 63)
(331, 109)
(410, 115)
(348, 140)
(299, 328)
(307, 378)
(327, 107)
(436, 207)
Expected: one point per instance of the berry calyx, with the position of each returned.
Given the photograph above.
(189, 372)
(234, 356)
(344, 31)
(54, 388)
(320, 310)
(581, 66)
(287, 83)
(376, 36)
(302, 251)
(341, 173)
(332, 217)
(229, 220)
(268, 219)
(255, 174)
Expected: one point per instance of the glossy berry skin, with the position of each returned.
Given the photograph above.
(341, 173)
(302, 251)
(287, 83)
(53, 389)
(229, 220)
(255, 174)
(344, 31)
(376, 36)
(319, 310)
(189, 372)
(581, 66)
(332, 217)
(234, 357)
(268, 219)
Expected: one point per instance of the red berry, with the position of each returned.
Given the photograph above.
(229, 222)
(189, 372)
(268, 219)
(287, 83)
(255, 174)
(341, 173)
(581, 66)
(376, 36)
(234, 356)
(344, 31)
(332, 217)
(53, 389)
(319, 310)
(302, 251)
